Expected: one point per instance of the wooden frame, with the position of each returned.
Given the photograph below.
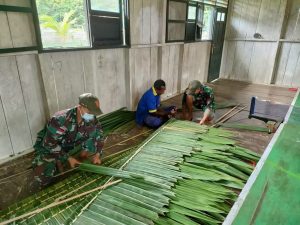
(9, 8)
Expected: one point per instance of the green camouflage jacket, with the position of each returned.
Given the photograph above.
(63, 133)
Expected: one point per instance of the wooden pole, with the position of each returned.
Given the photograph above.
(60, 202)
(227, 113)
(230, 116)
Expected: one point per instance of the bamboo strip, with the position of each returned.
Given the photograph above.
(230, 116)
(60, 202)
(222, 117)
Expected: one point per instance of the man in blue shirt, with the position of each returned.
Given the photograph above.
(149, 112)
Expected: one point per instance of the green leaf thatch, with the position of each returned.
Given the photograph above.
(182, 174)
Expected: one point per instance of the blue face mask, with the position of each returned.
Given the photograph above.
(87, 117)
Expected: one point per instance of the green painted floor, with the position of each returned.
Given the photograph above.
(274, 197)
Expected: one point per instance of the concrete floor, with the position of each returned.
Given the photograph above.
(16, 175)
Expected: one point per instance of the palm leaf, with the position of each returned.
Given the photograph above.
(182, 174)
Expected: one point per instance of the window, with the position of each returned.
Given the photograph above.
(176, 20)
(63, 23)
(193, 20)
(82, 23)
(191, 23)
(106, 6)
(106, 15)
(208, 21)
(220, 17)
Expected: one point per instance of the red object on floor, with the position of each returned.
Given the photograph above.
(293, 89)
(253, 163)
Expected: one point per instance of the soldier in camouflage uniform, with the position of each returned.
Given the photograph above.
(67, 129)
(200, 97)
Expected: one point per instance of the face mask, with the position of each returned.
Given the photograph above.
(87, 117)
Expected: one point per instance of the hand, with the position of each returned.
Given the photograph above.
(96, 159)
(83, 155)
(172, 113)
(201, 122)
(73, 162)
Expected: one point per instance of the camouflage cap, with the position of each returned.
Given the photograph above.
(89, 101)
(193, 86)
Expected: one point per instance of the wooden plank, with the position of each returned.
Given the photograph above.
(177, 10)
(49, 81)
(282, 63)
(292, 29)
(235, 19)
(5, 142)
(296, 77)
(22, 29)
(261, 63)
(13, 105)
(230, 19)
(155, 26)
(69, 80)
(130, 78)
(228, 59)
(154, 62)
(141, 76)
(162, 20)
(270, 18)
(242, 92)
(136, 20)
(243, 26)
(165, 51)
(22, 3)
(239, 67)
(173, 68)
(141, 73)
(195, 63)
(170, 68)
(146, 22)
(291, 65)
(109, 77)
(252, 15)
(33, 93)
(5, 36)
(88, 61)
(244, 51)
(176, 31)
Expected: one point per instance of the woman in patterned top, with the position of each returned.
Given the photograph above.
(200, 97)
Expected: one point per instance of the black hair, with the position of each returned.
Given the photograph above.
(159, 84)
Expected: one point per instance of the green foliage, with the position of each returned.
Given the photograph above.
(58, 8)
(61, 28)
(188, 172)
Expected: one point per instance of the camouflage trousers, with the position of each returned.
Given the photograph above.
(46, 165)
(45, 169)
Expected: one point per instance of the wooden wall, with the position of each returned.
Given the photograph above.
(147, 21)
(66, 75)
(245, 58)
(288, 68)
(22, 106)
(151, 57)
(22, 111)
(17, 29)
(195, 63)
(34, 86)
(272, 59)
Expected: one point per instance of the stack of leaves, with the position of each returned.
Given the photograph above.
(216, 170)
(116, 119)
(76, 183)
(182, 174)
(190, 176)
(247, 127)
